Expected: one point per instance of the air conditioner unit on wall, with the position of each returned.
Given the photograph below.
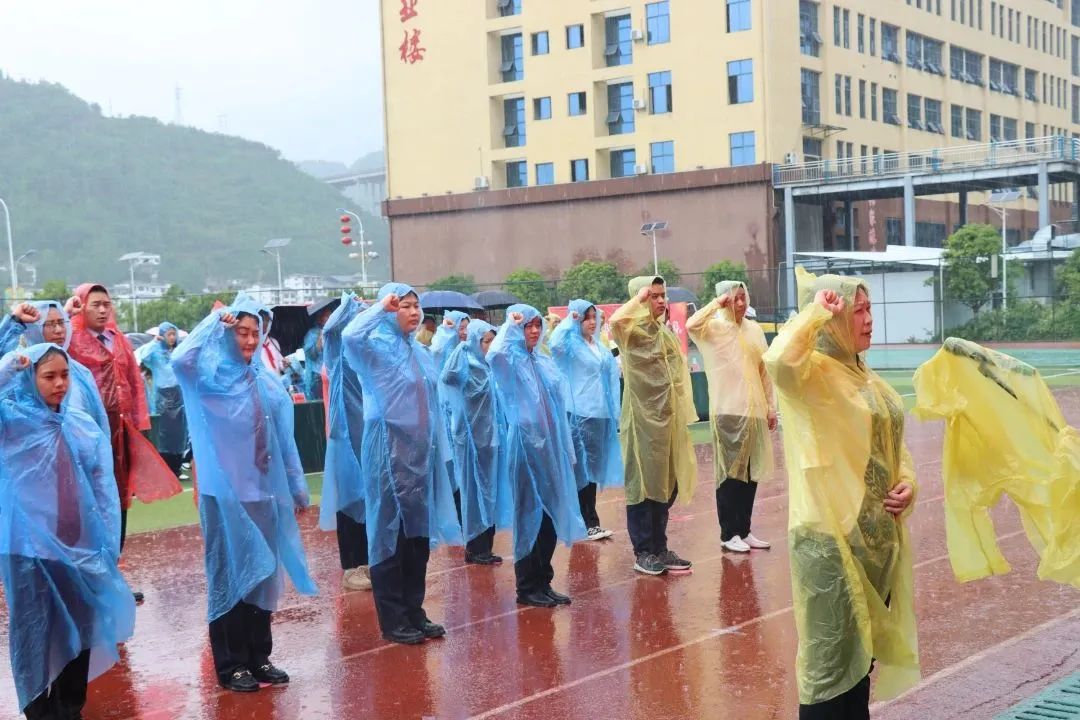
(481, 182)
(791, 158)
(637, 35)
(641, 169)
(639, 104)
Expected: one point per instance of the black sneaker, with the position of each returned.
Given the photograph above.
(241, 681)
(481, 559)
(558, 597)
(404, 635)
(430, 630)
(270, 675)
(673, 562)
(649, 564)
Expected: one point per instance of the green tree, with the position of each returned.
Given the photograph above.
(1069, 280)
(723, 270)
(53, 290)
(598, 282)
(460, 283)
(184, 311)
(530, 287)
(668, 270)
(967, 256)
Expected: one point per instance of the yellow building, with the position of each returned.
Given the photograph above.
(501, 93)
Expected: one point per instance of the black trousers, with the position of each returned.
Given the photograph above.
(734, 506)
(482, 543)
(351, 542)
(647, 524)
(174, 461)
(398, 583)
(587, 501)
(852, 705)
(123, 528)
(241, 639)
(534, 572)
(66, 695)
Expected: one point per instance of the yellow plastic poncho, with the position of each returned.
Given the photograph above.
(1004, 434)
(740, 391)
(658, 404)
(851, 566)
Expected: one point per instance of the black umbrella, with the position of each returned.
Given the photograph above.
(448, 300)
(327, 304)
(681, 294)
(495, 299)
(291, 323)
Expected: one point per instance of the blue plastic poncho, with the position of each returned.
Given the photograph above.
(313, 363)
(59, 535)
(249, 471)
(540, 451)
(165, 398)
(593, 399)
(343, 484)
(446, 337)
(405, 445)
(477, 435)
(83, 392)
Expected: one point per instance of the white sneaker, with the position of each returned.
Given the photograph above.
(756, 543)
(356, 579)
(736, 544)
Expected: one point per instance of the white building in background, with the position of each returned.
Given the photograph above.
(144, 291)
(304, 288)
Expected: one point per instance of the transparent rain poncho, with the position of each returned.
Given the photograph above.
(851, 561)
(59, 535)
(658, 404)
(446, 337)
(250, 476)
(140, 472)
(313, 361)
(168, 402)
(405, 447)
(477, 435)
(592, 401)
(343, 482)
(83, 392)
(1004, 435)
(740, 391)
(539, 449)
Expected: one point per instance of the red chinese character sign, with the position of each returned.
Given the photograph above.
(412, 51)
(408, 10)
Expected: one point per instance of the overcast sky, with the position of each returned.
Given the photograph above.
(304, 77)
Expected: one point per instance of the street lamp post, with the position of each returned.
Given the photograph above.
(1000, 197)
(133, 259)
(364, 253)
(11, 249)
(273, 248)
(650, 230)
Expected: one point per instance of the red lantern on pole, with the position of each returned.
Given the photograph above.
(346, 240)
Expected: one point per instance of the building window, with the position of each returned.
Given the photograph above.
(929, 234)
(1076, 104)
(660, 92)
(540, 45)
(809, 39)
(873, 37)
(619, 47)
(663, 157)
(965, 65)
(836, 26)
(579, 170)
(838, 94)
(925, 53)
(517, 174)
(742, 148)
(995, 128)
(973, 126)
(509, 7)
(545, 173)
(1004, 77)
(811, 149)
(810, 89)
(1008, 129)
(738, 15)
(513, 60)
(1031, 85)
(894, 231)
(847, 95)
(1076, 56)
(914, 111)
(859, 27)
(658, 22)
(577, 104)
(932, 109)
(956, 121)
(620, 117)
(514, 122)
(890, 42)
(862, 99)
(847, 29)
(888, 106)
(622, 163)
(575, 37)
(542, 108)
(873, 101)
(740, 75)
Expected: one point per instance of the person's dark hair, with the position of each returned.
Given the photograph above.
(591, 309)
(51, 352)
(97, 288)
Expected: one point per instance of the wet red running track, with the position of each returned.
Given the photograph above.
(718, 644)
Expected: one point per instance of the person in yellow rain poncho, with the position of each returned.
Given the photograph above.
(1004, 434)
(851, 488)
(658, 455)
(741, 408)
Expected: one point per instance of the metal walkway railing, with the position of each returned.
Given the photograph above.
(925, 162)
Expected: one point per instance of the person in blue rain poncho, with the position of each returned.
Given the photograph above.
(68, 605)
(342, 508)
(540, 454)
(593, 403)
(451, 333)
(410, 504)
(313, 351)
(477, 436)
(167, 402)
(251, 484)
(48, 323)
